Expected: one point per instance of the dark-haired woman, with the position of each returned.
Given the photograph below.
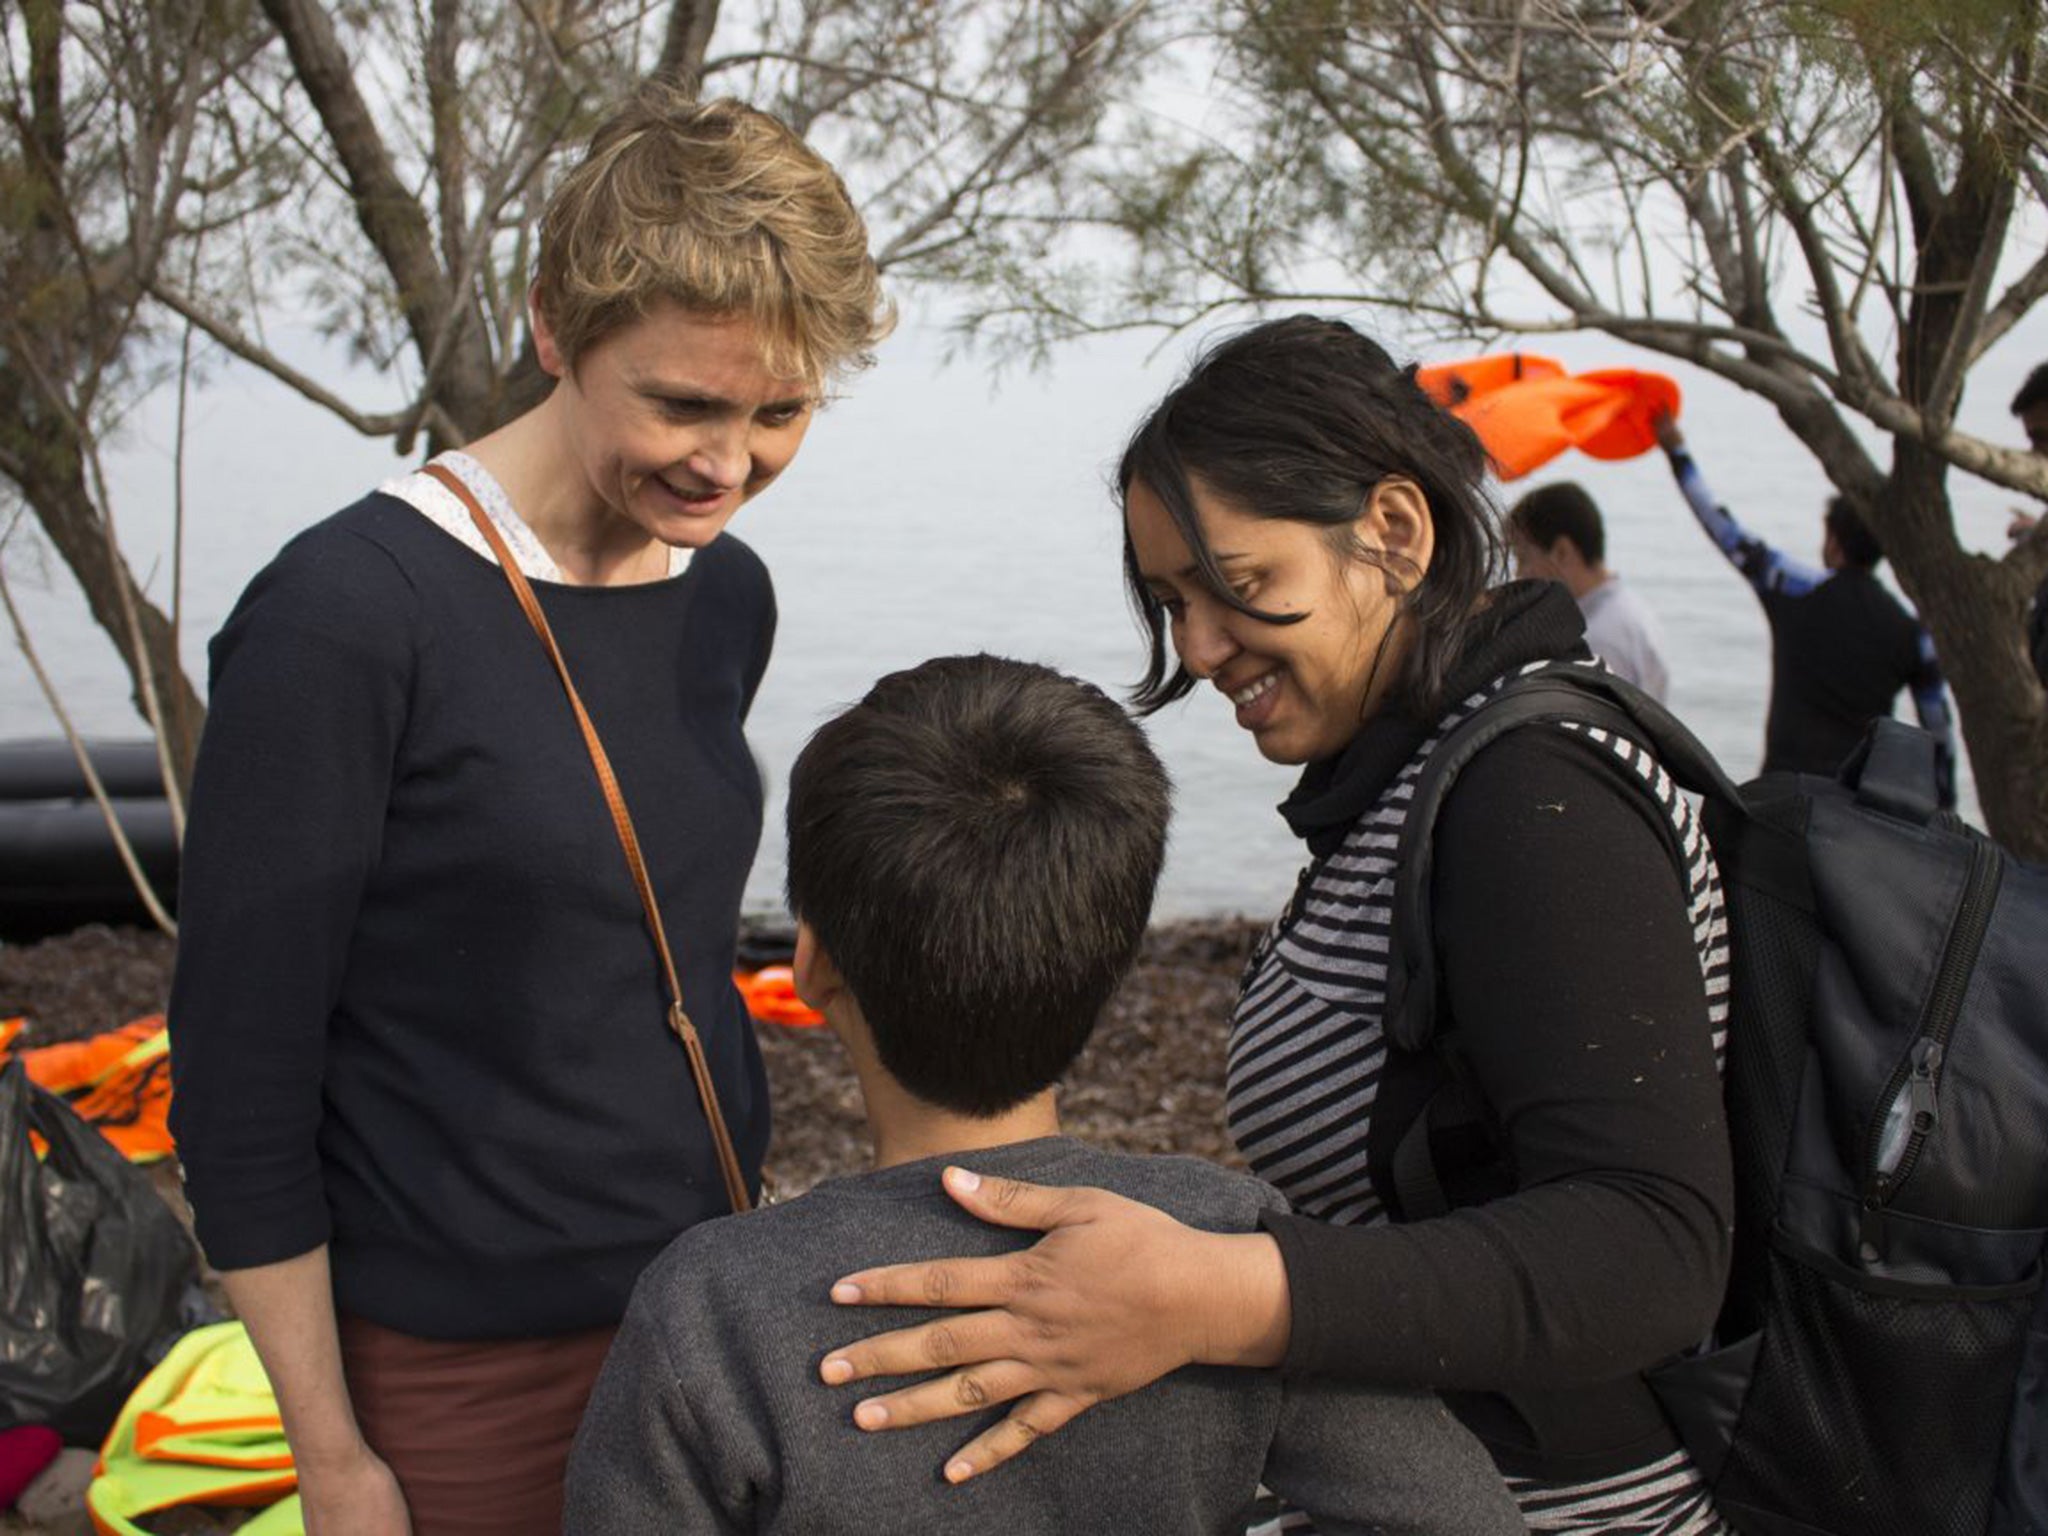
(1307, 533)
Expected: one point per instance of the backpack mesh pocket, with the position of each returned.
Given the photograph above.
(1879, 1408)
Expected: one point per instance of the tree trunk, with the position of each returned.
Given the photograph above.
(60, 323)
(1976, 608)
(54, 489)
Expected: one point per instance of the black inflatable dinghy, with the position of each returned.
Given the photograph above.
(58, 866)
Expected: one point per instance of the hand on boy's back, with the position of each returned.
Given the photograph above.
(1113, 1297)
(2022, 524)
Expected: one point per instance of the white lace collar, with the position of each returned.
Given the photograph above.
(439, 506)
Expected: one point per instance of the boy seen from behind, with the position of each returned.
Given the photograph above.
(972, 855)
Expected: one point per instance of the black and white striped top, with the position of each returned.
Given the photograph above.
(1306, 1055)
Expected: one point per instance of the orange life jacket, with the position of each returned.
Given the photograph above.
(1527, 410)
(120, 1082)
(771, 997)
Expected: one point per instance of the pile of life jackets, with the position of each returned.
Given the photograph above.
(202, 1428)
(118, 1082)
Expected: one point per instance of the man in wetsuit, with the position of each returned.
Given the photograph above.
(1841, 645)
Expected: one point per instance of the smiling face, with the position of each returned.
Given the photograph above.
(1301, 689)
(676, 420)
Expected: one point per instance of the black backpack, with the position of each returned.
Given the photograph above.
(1880, 1364)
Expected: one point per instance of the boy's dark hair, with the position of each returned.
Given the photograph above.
(1859, 545)
(1561, 511)
(2034, 392)
(975, 844)
(1299, 419)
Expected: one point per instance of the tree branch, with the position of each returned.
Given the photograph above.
(1472, 192)
(81, 442)
(2014, 468)
(379, 425)
(1080, 64)
(684, 41)
(1918, 174)
(390, 216)
(444, 122)
(1983, 198)
(866, 74)
(1850, 356)
(2026, 291)
(1959, 349)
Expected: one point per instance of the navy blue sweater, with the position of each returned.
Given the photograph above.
(417, 1014)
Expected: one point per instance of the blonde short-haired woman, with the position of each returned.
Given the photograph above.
(432, 1116)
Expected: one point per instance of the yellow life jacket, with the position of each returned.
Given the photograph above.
(202, 1428)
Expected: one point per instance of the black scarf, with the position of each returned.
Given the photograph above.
(1524, 621)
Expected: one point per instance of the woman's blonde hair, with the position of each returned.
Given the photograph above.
(722, 209)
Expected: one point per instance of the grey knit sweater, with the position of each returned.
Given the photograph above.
(709, 1415)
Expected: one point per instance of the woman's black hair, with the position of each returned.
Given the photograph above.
(1299, 419)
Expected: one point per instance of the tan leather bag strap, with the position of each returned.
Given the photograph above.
(622, 823)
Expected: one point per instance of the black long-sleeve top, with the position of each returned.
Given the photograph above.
(416, 1013)
(1571, 976)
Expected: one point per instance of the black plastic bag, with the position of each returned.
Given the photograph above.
(95, 1271)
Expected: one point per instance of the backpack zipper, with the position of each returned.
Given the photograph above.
(1918, 1076)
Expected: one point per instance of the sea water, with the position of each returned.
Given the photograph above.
(939, 508)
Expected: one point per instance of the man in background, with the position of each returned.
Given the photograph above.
(2031, 406)
(1841, 645)
(1556, 534)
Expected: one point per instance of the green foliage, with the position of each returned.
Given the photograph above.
(1497, 164)
(1835, 204)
